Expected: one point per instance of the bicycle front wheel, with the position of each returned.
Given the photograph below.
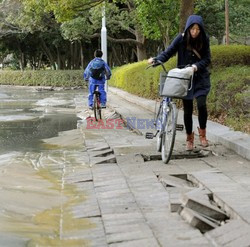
(169, 133)
(159, 128)
(97, 107)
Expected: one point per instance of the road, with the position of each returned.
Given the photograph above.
(104, 185)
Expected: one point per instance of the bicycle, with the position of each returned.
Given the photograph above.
(165, 121)
(97, 104)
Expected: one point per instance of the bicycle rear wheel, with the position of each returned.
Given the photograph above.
(169, 133)
(97, 107)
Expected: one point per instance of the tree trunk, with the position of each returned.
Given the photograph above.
(21, 61)
(39, 65)
(59, 63)
(81, 54)
(48, 54)
(68, 56)
(77, 57)
(133, 55)
(186, 9)
(116, 57)
(33, 63)
(71, 56)
(125, 54)
(227, 22)
(21, 57)
(141, 48)
(74, 55)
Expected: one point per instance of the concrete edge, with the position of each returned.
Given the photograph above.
(234, 140)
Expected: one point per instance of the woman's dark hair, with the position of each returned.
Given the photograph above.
(196, 43)
(98, 53)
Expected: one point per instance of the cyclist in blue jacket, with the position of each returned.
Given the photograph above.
(96, 73)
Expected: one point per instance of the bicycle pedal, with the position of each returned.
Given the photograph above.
(149, 135)
(179, 127)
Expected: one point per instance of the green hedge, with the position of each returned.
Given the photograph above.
(57, 78)
(229, 55)
(228, 101)
(229, 98)
(135, 79)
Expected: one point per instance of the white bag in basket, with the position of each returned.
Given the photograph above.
(177, 82)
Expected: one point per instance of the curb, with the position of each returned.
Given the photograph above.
(237, 141)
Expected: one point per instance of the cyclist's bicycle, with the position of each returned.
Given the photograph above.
(97, 104)
(165, 121)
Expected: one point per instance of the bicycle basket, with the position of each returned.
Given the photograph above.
(177, 83)
(163, 77)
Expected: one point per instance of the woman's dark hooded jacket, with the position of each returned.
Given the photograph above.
(201, 81)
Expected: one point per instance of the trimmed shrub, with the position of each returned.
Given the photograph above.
(229, 55)
(228, 101)
(135, 78)
(57, 78)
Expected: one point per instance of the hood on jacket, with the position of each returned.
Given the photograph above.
(194, 19)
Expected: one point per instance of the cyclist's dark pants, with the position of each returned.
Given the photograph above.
(202, 113)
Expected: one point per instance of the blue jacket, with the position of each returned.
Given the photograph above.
(201, 80)
(87, 77)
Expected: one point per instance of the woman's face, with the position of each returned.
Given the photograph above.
(195, 31)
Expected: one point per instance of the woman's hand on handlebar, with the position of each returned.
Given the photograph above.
(151, 60)
(194, 67)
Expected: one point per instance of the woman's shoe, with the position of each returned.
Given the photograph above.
(203, 139)
(190, 142)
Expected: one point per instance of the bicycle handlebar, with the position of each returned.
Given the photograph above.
(157, 63)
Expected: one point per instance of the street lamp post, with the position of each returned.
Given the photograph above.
(104, 38)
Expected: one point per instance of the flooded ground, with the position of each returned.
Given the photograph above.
(28, 115)
(40, 149)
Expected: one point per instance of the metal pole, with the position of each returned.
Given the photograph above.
(104, 38)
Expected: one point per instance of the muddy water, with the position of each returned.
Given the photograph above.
(28, 115)
(36, 160)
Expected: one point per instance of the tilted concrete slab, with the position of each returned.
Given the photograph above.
(199, 193)
(103, 153)
(233, 233)
(205, 208)
(233, 198)
(173, 181)
(196, 220)
(174, 198)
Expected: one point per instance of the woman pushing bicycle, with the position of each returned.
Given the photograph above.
(192, 47)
